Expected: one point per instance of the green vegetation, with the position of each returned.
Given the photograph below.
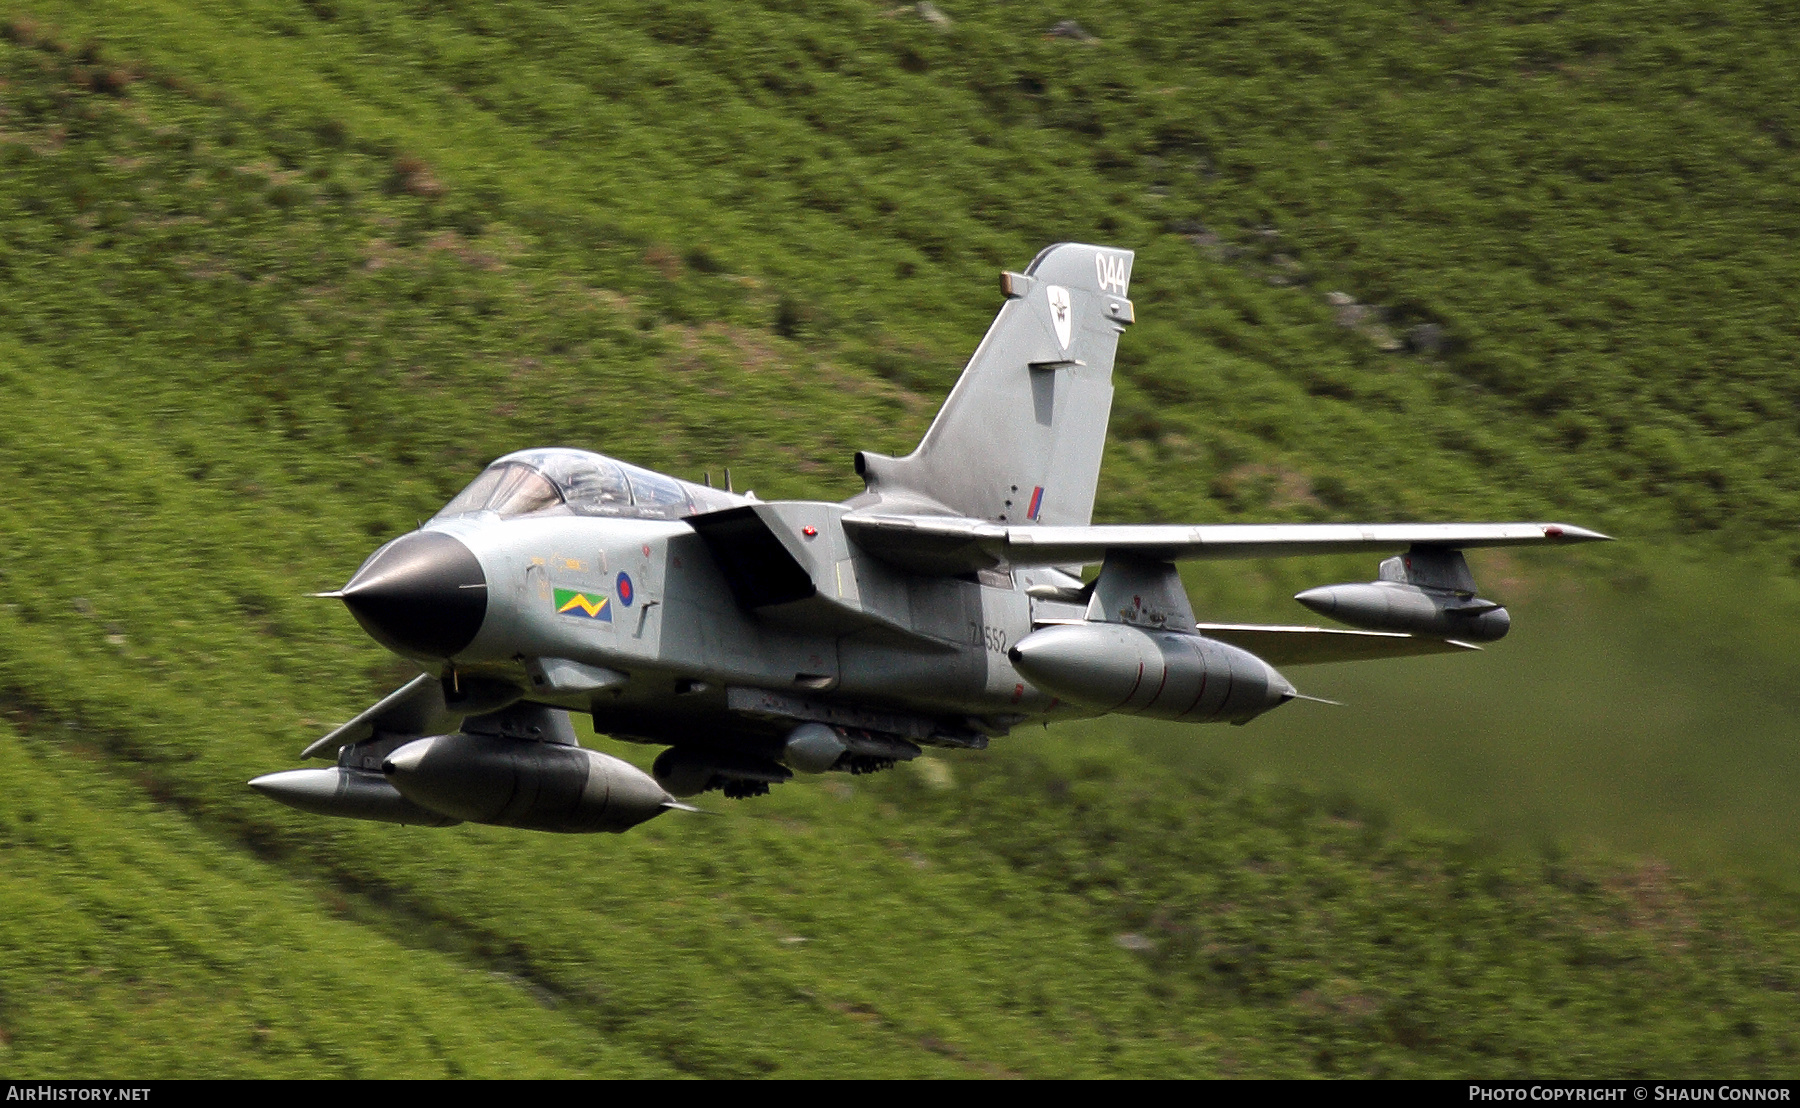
(279, 277)
(1056, 913)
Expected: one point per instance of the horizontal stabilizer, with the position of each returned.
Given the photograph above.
(415, 708)
(950, 544)
(1300, 646)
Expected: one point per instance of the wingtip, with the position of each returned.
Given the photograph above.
(1565, 532)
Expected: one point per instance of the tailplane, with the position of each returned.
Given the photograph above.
(1020, 437)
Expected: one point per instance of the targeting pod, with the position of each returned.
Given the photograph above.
(689, 771)
(817, 748)
(1423, 592)
(808, 748)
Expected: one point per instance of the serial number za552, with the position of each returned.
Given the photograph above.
(994, 638)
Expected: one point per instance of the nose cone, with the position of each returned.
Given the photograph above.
(422, 594)
(1323, 600)
(1090, 664)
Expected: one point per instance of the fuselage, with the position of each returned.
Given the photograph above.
(645, 598)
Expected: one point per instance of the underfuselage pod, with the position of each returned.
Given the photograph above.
(1161, 674)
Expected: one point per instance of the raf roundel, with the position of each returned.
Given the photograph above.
(624, 590)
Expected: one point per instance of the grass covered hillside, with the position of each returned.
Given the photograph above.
(1584, 210)
(277, 278)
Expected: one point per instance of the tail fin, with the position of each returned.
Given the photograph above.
(1020, 437)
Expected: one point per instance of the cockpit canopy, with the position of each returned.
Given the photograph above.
(577, 482)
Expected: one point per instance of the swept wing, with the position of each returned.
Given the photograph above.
(948, 544)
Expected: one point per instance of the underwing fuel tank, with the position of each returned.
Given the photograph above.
(1394, 606)
(509, 782)
(1160, 674)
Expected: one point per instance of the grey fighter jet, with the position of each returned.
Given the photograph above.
(942, 607)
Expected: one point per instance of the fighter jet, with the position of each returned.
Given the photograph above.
(944, 606)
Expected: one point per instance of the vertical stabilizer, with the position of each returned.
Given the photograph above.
(1020, 438)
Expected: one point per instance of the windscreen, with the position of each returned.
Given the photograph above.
(506, 489)
(578, 482)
